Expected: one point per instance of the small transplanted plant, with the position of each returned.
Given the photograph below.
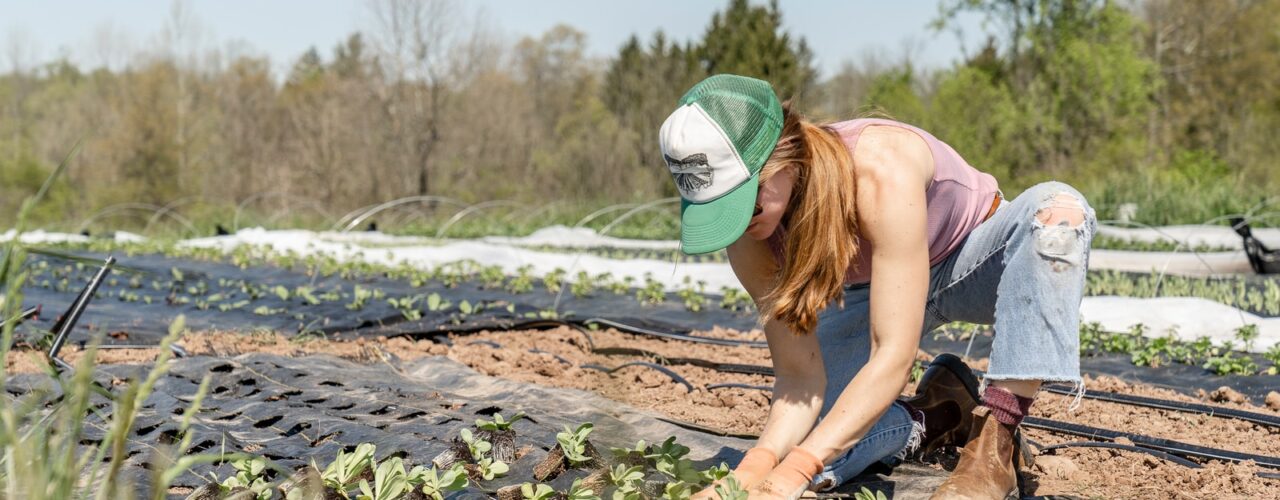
(347, 469)
(435, 484)
(730, 489)
(499, 432)
(390, 482)
(626, 481)
(408, 306)
(573, 442)
(248, 476)
(572, 451)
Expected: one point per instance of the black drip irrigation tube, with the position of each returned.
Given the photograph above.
(666, 371)
(1163, 404)
(674, 336)
(1166, 445)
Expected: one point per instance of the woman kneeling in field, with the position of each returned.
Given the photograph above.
(854, 238)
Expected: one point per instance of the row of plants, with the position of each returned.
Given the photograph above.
(1260, 295)
(479, 455)
(1223, 358)
(1100, 242)
(1253, 294)
(1161, 245)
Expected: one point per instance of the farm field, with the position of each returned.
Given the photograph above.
(315, 346)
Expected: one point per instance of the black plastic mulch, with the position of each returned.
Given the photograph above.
(135, 322)
(294, 410)
(147, 323)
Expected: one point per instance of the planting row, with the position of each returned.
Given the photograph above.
(1144, 350)
(1258, 295)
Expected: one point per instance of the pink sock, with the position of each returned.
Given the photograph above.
(1007, 407)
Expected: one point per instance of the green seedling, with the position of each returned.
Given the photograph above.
(669, 459)
(345, 470)
(653, 292)
(435, 484)
(492, 277)
(248, 475)
(573, 442)
(281, 292)
(523, 280)
(582, 285)
(1273, 355)
(478, 447)
(579, 492)
(306, 294)
(1246, 334)
(498, 424)
(630, 455)
(360, 296)
(490, 468)
(554, 280)
(627, 481)
(408, 307)
(715, 473)
(730, 489)
(390, 482)
(1230, 364)
(866, 494)
(691, 294)
(734, 299)
(529, 491)
(437, 303)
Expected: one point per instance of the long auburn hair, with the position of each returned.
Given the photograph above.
(821, 222)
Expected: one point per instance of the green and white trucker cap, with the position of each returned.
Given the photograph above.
(715, 144)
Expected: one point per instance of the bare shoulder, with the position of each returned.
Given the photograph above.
(886, 153)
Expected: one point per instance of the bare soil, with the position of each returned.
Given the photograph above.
(561, 354)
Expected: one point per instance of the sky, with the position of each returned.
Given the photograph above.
(837, 31)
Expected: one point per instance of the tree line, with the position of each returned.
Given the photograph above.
(1169, 105)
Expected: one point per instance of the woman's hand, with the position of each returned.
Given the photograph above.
(789, 479)
(755, 465)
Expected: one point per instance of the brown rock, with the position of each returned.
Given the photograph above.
(1273, 400)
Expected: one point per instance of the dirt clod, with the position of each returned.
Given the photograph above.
(1273, 400)
(1057, 467)
(1226, 394)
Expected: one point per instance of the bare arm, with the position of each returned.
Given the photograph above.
(799, 379)
(894, 171)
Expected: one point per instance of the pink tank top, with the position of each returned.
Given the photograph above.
(958, 199)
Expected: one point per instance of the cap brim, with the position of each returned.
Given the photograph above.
(707, 227)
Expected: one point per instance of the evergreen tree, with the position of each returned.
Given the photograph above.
(749, 40)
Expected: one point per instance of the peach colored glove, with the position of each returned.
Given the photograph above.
(755, 465)
(789, 479)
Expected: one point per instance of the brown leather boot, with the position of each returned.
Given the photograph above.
(947, 394)
(986, 470)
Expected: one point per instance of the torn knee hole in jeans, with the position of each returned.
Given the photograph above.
(1059, 225)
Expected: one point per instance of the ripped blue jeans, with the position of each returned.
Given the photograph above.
(1014, 272)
